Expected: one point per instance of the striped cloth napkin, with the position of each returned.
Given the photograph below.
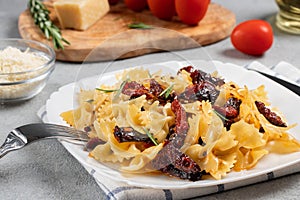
(122, 191)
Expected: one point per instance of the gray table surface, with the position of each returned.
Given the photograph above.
(45, 170)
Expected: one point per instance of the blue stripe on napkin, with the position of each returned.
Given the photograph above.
(117, 190)
(168, 194)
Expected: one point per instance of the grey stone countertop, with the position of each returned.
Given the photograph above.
(45, 170)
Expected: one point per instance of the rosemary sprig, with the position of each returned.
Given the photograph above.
(41, 18)
(221, 116)
(167, 91)
(90, 101)
(107, 90)
(151, 137)
(119, 90)
(139, 25)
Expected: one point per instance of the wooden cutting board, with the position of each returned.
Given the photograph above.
(110, 38)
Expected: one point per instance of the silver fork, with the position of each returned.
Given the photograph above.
(25, 135)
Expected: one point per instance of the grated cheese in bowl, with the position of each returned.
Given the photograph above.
(24, 68)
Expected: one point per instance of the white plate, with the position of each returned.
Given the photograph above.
(286, 101)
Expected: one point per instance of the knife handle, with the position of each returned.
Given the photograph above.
(290, 86)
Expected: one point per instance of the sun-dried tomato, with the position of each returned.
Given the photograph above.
(199, 76)
(230, 111)
(198, 92)
(181, 124)
(155, 88)
(134, 90)
(172, 161)
(128, 134)
(272, 117)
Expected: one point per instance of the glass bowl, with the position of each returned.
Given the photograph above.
(24, 68)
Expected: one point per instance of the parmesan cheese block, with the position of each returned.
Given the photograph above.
(80, 14)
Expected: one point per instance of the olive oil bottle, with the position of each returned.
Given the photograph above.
(288, 17)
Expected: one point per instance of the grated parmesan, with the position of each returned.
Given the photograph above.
(17, 65)
(13, 60)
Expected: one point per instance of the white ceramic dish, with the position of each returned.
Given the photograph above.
(280, 97)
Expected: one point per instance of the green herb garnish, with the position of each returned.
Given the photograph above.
(151, 137)
(167, 91)
(121, 88)
(107, 90)
(221, 116)
(139, 25)
(114, 90)
(40, 14)
(149, 74)
(90, 101)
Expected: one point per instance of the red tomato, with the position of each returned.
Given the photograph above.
(136, 5)
(253, 37)
(163, 9)
(191, 11)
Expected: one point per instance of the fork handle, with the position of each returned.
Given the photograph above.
(13, 141)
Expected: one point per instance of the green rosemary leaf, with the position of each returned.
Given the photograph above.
(151, 137)
(46, 32)
(55, 43)
(149, 74)
(121, 88)
(40, 15)
(90, 101)
(221, 116)
(66, 41)
(139, 26)
(107, 90)
(167, 91)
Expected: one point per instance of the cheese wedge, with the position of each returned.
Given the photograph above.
(80, 14)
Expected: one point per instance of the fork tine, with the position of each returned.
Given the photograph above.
(23, 135)
(14, 141)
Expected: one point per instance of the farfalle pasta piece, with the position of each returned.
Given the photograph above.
(103, 153)
(159, 120)
(284, 144)
(82, 116)
(133, 115)
(247, 135)
(226, 143)
(135, 74)
(193, 134)
(219, 166)
(248, 158)
(220, 160)
(113, 151)
(104, 128)
(138, 163)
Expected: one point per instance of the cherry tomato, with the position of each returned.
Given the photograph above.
(163, 9)
(253, 37)
(136, 5)
(191, 11)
